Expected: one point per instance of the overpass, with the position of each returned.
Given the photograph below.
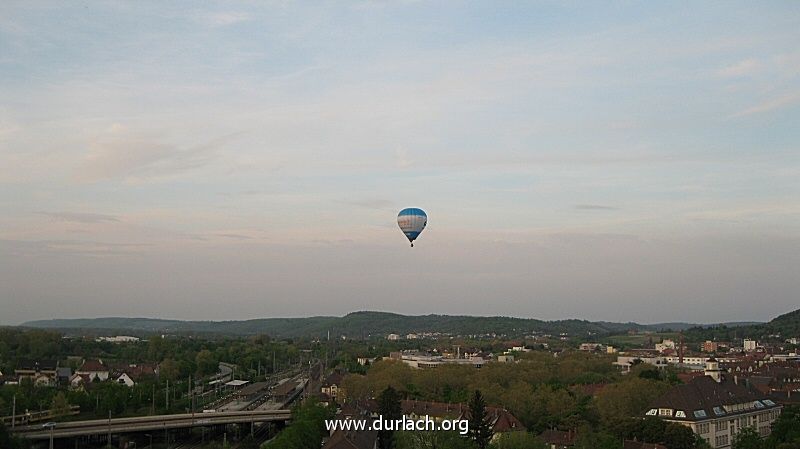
(150, 423)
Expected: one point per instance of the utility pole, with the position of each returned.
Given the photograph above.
(14, 412)
(109, 428)
(190, 395)
(167, 395)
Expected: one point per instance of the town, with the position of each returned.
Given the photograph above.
(633, 390)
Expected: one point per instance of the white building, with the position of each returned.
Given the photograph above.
(94, 369)
(750, 345)
(432, 361)
(393, 337)
(664, 345)
(119, 339)
(716, 408)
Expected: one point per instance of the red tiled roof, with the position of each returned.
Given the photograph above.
(92, 365)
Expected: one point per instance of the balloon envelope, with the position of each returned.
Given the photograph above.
(412, 221)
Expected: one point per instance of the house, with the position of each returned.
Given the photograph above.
(124, 379)
(41, 372)
(130, 375)
(505, 358)
(332, 385)
(79, 381)
(716, 407)
(94, 369)
(341, 439)
(63, 374)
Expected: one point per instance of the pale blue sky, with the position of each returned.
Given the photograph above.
(616, 161)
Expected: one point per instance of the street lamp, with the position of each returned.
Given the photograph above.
(150, 435)
(50, 425)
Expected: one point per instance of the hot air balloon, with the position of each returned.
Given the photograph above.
(412, 221)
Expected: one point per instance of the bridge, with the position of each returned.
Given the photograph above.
(150, 423)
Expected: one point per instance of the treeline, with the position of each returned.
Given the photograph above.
(786, 326)
(574, 391)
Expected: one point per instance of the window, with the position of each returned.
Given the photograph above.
(700, 414)
(720, 426)
(769, 402)
(665, 412)
(718, 411)
(703, 427)
(680, 414)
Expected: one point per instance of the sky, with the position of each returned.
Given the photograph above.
(231, 160)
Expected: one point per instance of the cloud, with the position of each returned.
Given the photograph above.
(124, 154)
(223, 18)
(742, 68)
(80, 217)
(594, 207)
(235, 236)
(769, 105)
(69, 247)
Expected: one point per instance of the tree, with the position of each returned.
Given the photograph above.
(9, 442)
(206, 363)
(677, 436)
(169, 370)
(786, 430)
(747, 438)
(434, 440)
(390, 410)
(306, 429)
(59, 405)
(518, 440)
(479, 428)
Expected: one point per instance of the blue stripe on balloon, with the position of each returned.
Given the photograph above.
(412, 211)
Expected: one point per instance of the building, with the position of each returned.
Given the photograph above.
(40, 372)
(131, 374)
(710, 346)
(665, 344)
(332, 386)
(750, 345)
(393, 337)
(424, 361)
(94, 369)
(716, 407)
(119, 339)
